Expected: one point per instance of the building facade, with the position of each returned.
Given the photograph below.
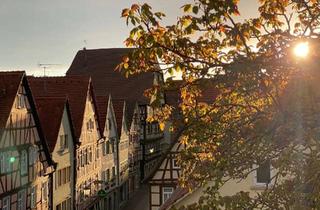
(56, 122)
(25, 164)
(79, 91)
(134, 149)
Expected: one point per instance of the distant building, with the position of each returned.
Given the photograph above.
(25, 164)
(55, 118)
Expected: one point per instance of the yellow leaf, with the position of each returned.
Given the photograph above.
(161, 125)
(125, 65)
(125, 12)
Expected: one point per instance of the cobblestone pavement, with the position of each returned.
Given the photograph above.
(140, 200)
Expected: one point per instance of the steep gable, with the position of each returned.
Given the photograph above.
(120, 114)
(9, 85)
(75, 88)
(50, 111)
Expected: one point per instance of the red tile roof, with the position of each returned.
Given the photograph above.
(75, 88)
(176, 195)
(100, 64)
(50, 110)
(9, 85)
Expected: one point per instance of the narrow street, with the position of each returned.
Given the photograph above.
(140, 200)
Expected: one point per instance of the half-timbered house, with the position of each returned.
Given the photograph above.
(79, 91)
(25, 164)
(165, 180)
(108, 153)
(57, 127)
(122, 148)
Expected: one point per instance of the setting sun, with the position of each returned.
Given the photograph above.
(302, 49)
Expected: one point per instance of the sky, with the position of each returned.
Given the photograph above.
(37, 32)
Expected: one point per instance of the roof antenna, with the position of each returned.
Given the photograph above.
(45, 66)
(85, 44)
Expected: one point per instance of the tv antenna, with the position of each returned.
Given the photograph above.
(45, 66)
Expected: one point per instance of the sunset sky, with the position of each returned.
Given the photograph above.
(43, 31)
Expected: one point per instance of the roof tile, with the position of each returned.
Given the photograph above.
(100, 64)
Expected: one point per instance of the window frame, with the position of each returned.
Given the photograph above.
(33, 197)
(175, 164)
(21, 200)
(6, 200)
(166, 193)
(261, 184)
(23, 162)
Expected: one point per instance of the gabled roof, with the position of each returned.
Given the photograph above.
(102, 107)
(75, 88)
(119, 112)
(9, 85)
(50, 110)
(100, 64)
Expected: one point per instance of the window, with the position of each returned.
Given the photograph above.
(109, 124)
(21, 203)
(33, 197)
(24, 162)
(98, 152)
(175, 164)
(63, 176)
(65, 205)
(6, 162)
(45, 192)
(6, 203)
(33, 155)
(90, 156)
(112, 146)
(263, 173)
(107, 145)
(113, 172)
(90, 125)
(63, 142)
(2, 162)
(166, 193)
(108, 175)
(20, 101)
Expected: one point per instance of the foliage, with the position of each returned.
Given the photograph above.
(266, 105)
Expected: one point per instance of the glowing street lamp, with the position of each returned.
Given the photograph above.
(301, 50)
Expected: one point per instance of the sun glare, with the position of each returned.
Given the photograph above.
(302, 49)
